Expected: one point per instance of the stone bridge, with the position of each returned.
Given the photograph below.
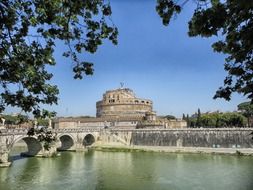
(68, 139)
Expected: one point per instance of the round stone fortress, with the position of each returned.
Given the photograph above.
(123, 102)
(121, 109)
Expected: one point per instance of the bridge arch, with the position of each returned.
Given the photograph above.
(66, 142)
(88, 140)
(32, 143)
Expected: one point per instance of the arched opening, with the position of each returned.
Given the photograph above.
(88, 140)
(33, 146)
(18, 147)
(26, 146)
(67, 143)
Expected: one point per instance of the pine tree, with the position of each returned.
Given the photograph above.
(188, 120)
(198, 124)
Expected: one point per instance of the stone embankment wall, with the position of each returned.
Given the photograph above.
(115, 137)
(213, 138)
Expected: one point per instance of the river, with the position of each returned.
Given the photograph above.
(96, 170)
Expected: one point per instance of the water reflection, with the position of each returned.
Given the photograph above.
(124, 171)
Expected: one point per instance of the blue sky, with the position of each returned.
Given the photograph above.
(180, 74)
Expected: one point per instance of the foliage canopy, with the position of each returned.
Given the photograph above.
(28, 32)
(232, 21)
(14, 119)
(247, 111)
(218, 120)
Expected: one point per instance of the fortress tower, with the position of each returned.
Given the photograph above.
(122, 102)
(120, 108)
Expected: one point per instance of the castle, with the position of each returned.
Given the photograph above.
(123, 103)
(120, 108)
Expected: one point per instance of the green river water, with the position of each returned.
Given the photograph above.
(96, 170)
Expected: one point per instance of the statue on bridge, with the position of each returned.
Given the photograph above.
(3, 121)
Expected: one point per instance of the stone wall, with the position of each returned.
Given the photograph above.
(212, 138)
(176, 123)
(127, 109)
(78, 124)
(67, 124)
(115, 137)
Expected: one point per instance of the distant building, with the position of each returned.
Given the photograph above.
(122, 102)
(122, 109)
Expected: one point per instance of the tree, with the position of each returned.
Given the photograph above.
(188, 120)
(45, 136)
(15, 119)
(230, 119)
(183, 118)
(198, 123)
(217, 119)
(170, 117)
(43, 122)
(232, 21)
(28, 31)
(247, 110)
(192, 122)
(207, 120)
(236, 120)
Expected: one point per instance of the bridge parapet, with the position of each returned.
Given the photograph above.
(80, 130)
(16, 131)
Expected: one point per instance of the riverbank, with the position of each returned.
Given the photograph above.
(166, 149)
